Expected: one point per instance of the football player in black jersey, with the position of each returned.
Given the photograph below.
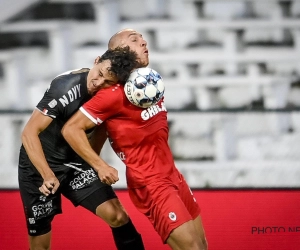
(49, 168)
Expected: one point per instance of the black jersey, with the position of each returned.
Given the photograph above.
(65, 95)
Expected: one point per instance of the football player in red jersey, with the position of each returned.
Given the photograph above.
(140, 136)
(49, 168)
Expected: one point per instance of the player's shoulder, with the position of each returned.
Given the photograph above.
(109, 99)
(69, 79)
(114, 91)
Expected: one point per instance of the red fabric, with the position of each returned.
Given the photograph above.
(167, 203)
(229, 218)
(138, 136)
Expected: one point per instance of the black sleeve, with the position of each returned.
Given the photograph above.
(49, 104)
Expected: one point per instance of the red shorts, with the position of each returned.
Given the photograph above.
(168, 203)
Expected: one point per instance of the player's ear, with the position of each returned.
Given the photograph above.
(96, 61)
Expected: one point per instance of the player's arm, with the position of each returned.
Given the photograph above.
(98, 138)
(74, 133)
(32, 144)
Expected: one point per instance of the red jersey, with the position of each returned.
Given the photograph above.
(138, 136)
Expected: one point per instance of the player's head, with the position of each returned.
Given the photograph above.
(114, 66)
(136, 42)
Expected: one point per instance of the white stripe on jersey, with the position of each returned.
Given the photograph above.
(71, 165)
(97, 121)
(44, 112)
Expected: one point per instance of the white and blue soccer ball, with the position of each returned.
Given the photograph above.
(144, 87)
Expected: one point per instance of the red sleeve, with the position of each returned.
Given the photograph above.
(104, 104)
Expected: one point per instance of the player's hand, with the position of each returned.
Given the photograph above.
(50, 185)
(108, 175)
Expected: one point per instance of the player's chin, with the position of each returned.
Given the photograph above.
(93, 92)
(105, 86)
(144, 63)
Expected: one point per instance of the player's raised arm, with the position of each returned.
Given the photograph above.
(74, 133)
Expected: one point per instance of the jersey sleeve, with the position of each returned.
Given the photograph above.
(49, 104)
(106, 103)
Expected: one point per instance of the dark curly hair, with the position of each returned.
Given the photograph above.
(123, 61)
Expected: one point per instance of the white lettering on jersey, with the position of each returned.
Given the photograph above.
(122, 156)
(52, 104)
(73, 94)
(152, 111)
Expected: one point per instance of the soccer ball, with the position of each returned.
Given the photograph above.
(144, 87)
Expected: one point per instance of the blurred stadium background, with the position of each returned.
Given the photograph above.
(231, 69)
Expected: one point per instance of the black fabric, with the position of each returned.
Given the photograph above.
(39, 210)
(98, 197)
(63, 98)
(127, 238)
(42, 227)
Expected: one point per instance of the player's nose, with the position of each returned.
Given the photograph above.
(143, 43)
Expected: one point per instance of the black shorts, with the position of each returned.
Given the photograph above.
(75, 184)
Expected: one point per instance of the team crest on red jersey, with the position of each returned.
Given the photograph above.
(172, 216)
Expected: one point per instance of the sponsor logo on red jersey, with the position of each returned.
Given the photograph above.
(152, 111)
